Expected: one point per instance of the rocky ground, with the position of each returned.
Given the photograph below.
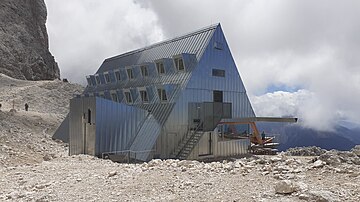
(35, 168)
(25, 136)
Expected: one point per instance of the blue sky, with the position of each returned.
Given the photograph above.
(295, 57)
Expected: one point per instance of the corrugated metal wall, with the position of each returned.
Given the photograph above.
(116, 125)
(120, 126)
(200, 89)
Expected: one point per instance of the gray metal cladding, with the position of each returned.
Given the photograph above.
(193, 43)
(137, 126)
(116, 124)
(79, 127)
(62, 133)
(202, 84)
(233, 147)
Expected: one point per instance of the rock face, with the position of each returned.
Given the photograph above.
(24, 48)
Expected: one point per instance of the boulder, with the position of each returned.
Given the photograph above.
(356, 150)
(285, 187)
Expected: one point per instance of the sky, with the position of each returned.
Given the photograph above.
(296, 58)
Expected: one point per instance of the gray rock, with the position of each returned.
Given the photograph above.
(322, 196)
(335, 157)
(24, 47)
(319, 164)
(112, 173)
(305, 151)
(285, 187)
(356, 150)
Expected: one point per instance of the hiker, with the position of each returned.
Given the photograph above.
(263, 135)
(26, 107)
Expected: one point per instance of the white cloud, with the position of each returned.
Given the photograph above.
(312, 45)
(83, 33)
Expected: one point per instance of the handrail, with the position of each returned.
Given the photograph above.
(191, 137)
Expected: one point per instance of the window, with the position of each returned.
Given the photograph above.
(117, 75)
(160, 68)
(102, 95)
(162, 94)
(97, 79)
(89, 81)
(218, 45)
(218, 72)
(130, 73)
(179, 64)
(128, 97)
(89, 116)
(218, 96)
(114, 97)
(144, 96)
(107, 78)
(144, 71)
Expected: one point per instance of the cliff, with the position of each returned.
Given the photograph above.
(24, 47)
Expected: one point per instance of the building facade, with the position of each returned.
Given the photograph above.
(162, 101)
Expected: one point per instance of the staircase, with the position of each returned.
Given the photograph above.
(188, 143)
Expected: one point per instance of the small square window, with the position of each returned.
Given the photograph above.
(179, 64)
(114, 97)
(107, 78)
(144, 96)
(160, 68)
(218, 45)
(117, 75)
(218, 72)
(128, 97)
(144, 71)
(162, 94)
(130, 73)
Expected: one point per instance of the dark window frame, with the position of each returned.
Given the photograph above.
(107, 77)
(130, 73)
(128, 97)
(116, 97)
(162, 94)
(117, 75)
(218, 96)
(218, 72)
(144, 71)
(144, 96)
(179, 63)
(160, 67)
(97, 79)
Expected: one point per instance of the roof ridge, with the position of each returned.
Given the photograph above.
(204, 29)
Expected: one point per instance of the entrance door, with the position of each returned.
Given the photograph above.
(205, 144)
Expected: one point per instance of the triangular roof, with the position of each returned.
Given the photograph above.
(193, 43)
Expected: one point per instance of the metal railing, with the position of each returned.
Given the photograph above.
(192, 136)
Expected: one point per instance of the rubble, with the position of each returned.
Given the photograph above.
(356, 150)
(305, 151)
(33, 167)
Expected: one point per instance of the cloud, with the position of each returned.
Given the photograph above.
(309, 45)
(83, 33)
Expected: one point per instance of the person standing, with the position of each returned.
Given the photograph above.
(263, 135)
(26, 107)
